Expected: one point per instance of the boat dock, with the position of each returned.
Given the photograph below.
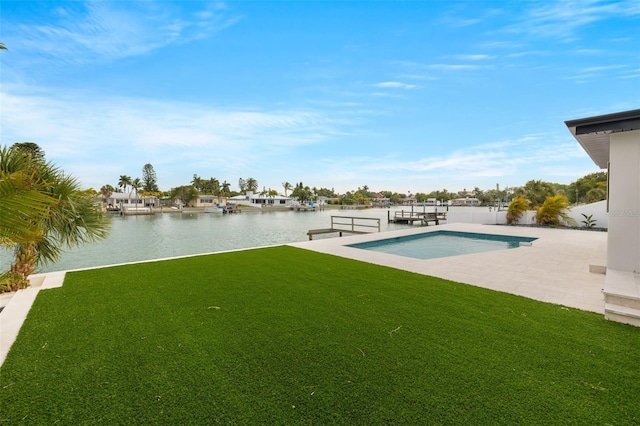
(348, 224)
(410, 217)
(128, 210)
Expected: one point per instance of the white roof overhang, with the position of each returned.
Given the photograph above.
(593, 132)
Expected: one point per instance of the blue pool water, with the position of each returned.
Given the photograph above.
(442, 244)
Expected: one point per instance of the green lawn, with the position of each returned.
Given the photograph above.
(288, 336)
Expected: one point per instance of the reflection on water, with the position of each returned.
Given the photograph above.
(135, 238)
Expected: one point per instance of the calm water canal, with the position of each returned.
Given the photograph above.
(135, 238)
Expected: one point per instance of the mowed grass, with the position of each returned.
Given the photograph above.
(288, 336)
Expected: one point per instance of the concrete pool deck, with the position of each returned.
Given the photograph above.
(554, 269)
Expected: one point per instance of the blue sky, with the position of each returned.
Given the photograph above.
(399, 96)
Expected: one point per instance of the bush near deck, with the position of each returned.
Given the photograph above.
(288, 336)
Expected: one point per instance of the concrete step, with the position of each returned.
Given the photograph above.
(598, 267)
(619, 299)
(622, 297)
(622, 288)
(623, 314)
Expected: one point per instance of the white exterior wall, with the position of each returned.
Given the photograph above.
(623, 245)
(468, 215)
(597, 210)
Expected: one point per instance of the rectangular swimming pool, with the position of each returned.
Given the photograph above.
(436, 244)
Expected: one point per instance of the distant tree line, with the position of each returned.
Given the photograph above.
(587, 189)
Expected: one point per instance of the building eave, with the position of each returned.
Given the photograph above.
(593, 133)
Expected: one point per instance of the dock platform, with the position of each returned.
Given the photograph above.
(313, 232)
(129, 211)
(348, 224)
(411, 217)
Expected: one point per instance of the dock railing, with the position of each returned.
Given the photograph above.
(352, 225)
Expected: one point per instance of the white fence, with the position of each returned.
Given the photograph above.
(482, 216)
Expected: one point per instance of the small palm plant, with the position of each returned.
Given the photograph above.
(42, 211)
(516, 209)
(553, 210)
(588, 222)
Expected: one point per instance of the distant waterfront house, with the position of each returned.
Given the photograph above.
(380, 200)
(207, 200)
(467, 201)
(119, 199)
(322, 200)
(408, 201)
(466, 193)
(613, 142)
(260, 201)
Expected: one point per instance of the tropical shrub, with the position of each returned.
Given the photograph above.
(516, 209)
(553, 211)
(588, 221)
(42, 210)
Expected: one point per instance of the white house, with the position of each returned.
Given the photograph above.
(260, 201)
(613, 142)
(120, 199)
(322, 200)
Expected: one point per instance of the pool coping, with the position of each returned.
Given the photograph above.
(423, 239)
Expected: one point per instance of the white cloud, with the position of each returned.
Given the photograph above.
(477, 57)
(91, 136)
(454, 67)
(563, 19)
(587, 74)
(385, 95)
(603, 68)
(498, 159)
(98, 31)
(395, 85)
(555, 158)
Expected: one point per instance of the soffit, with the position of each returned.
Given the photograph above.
(593, 133)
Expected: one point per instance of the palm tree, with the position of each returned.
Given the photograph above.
(136, 184)
(553, 211)
(23, 203)
(124, 182)
(197, 182)
(66, 216)
(287, 187)
(225, 188)
(252, 184)
(516, 209)
(106, 191)
(214, 184)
